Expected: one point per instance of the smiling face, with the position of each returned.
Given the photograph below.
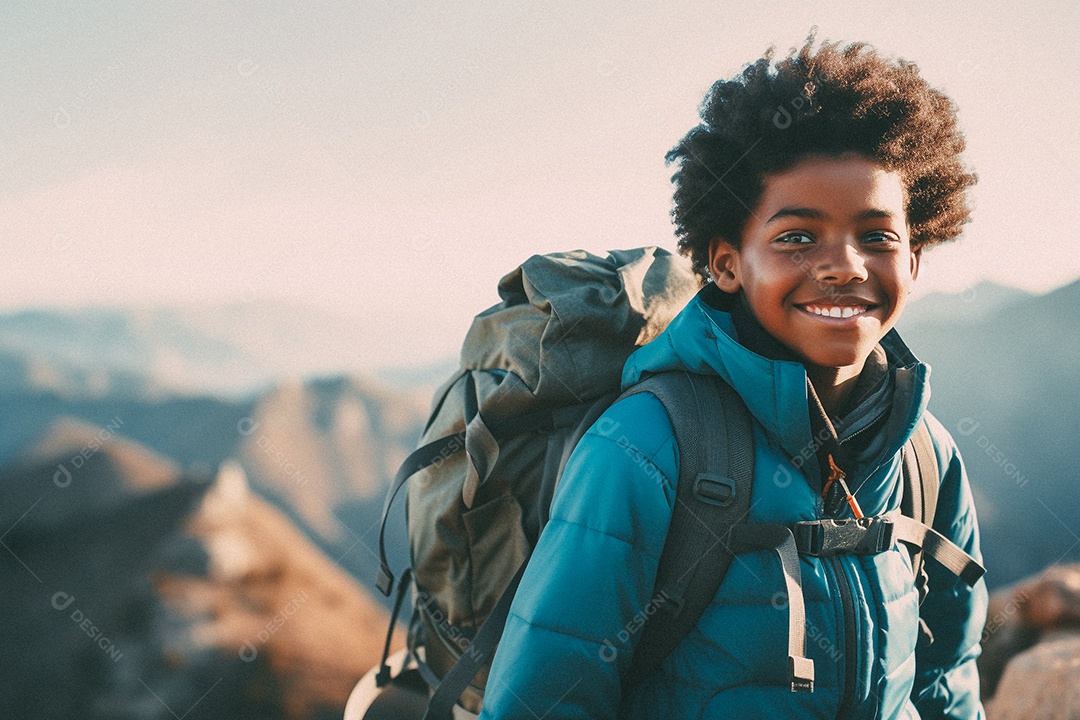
(825, 260)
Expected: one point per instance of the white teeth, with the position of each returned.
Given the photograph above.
(836, 311)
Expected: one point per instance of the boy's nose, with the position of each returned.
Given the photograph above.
(842, 265)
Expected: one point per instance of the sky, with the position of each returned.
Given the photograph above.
(389, 161)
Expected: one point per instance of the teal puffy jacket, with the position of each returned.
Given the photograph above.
(577, 616)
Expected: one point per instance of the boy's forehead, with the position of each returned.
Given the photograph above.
(849, 184)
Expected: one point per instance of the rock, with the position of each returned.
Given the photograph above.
(1054, 598)
(1042, 683)
(1021, 620)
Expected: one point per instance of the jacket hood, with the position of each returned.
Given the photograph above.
(703, 339)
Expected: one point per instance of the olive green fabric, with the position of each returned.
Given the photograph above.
(559, 337)
(568, 321)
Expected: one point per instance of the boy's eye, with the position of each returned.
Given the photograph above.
(795, 238)
(880, 238)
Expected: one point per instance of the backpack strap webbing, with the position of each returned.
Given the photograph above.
(922, 479)
(383, 676)
(479, 652)
(419, 459)
(713, 431)
(931, 542)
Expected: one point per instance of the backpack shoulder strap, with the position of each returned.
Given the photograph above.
(914, 525)
(712, 429)
(922, 479)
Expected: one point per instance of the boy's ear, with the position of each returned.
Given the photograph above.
(724, 265)
(916, 256)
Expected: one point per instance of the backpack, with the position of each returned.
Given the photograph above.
(537, 370)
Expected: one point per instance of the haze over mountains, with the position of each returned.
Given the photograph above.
(229, 350)
(185, 475)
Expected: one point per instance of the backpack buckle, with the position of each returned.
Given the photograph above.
(714, 489)
(801, 673)
(855, 536)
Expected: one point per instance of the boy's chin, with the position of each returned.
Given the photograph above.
(840, 362)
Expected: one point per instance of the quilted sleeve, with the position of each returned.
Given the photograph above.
(578, 613)
(946, 680)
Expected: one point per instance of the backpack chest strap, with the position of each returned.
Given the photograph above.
(872, 535)
(847, 536)
(830, 536)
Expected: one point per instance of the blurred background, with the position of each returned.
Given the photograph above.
(246, 240)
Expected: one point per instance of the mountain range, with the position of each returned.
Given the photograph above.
(134, 589)
(322, 450)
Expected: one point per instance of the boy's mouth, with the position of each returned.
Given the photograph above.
(835, 311)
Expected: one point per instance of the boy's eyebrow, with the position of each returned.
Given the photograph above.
(801, 212)
(815, 214)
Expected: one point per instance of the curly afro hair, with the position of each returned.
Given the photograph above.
(829, 102)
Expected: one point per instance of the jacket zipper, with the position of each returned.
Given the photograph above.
(847, 602)
(851, 647)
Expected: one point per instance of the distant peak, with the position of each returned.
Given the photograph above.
(231, 485)
(72, 443)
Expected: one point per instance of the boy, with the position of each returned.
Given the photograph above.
(805, 200)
